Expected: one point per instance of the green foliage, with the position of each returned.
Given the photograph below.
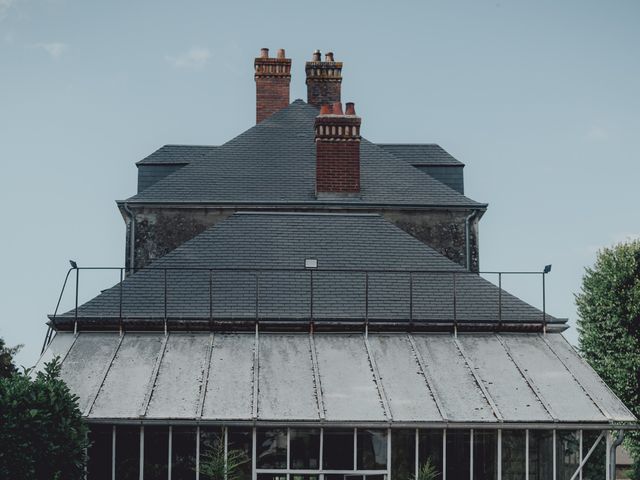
(7, 368)
(214, 467)
(427, 471)
(42, 435)
(609, 325)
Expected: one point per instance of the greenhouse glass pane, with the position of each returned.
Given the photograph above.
(372, 449)
(403, 454)
(430, 449)
(567, 453)
(458, 454)
(514, 451)
(485, 454)
(540, 454)
(338, 449)
(305, 448)
(156, 453)
(127, 452)
(271, 445)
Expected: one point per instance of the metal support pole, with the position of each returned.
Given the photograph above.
(526, 454)
(254, 474)
(500, 454)
(141, 476)
(389, 454)
(113, 453)
(471, 454)
(170, 452)
(75, 320)
(555, 455)
(417, 454)
(198, 452)
(444, 454)
(355, 448)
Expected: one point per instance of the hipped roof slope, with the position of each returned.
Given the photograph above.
(265, 278)
(274, 162)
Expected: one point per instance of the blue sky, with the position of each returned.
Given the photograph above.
(539, 99)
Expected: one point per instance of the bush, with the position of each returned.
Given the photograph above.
(42, 435)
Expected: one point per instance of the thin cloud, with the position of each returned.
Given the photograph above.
(597, 134)
(195, 58)
(55, 49)
(5, 6)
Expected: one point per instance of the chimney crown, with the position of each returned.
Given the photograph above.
(273, 77)
(324, 79)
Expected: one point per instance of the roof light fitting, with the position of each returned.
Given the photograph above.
(311, 263)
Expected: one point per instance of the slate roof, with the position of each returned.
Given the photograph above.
(345, 246)
(427, 154)
(492, 380)
(274, 162)
(176, 155)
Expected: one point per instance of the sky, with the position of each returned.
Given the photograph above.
(539, 99)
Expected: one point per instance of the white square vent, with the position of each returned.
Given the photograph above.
(311, 263)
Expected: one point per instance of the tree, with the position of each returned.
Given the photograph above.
(42, 435)
(7, 368)
(609, 326)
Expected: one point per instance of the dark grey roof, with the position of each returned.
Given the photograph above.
(267, 241)
(274, 162)
(176, 155)
(421, 153)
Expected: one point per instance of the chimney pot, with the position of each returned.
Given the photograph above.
(325, 109)
(264, 53)
(351, 108)
(328, 57)
(316, 57)
(337, 109)
(281, 53)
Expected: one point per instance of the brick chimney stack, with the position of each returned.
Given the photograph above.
(324, 80)
(273, 76)
(337, 151)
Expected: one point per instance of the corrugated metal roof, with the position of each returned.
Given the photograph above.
(334, 378)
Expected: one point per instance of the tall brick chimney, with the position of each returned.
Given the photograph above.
(337, 152)
(273, 76)
(323, 80)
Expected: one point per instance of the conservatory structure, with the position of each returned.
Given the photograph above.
(302, 304)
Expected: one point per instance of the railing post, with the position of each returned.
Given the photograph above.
(455, 309)
(411, 299)
(366, 299)
(257, 306)
(165, 301)
(544, 304)
(75, 315)
(499, 300)
(210, 299)
(311, 295)
(120, 320)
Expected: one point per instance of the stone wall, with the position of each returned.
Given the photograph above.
(159, 230)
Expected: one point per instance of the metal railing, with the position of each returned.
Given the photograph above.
(312, 273)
